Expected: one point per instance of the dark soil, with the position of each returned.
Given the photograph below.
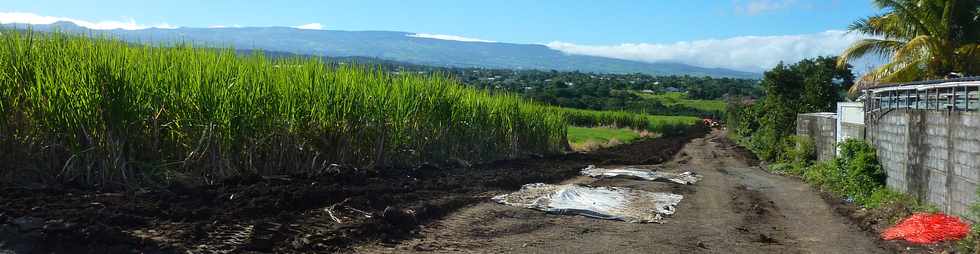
(735, 208)
(317, 212)
(878, 220)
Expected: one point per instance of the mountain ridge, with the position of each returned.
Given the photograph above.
(396, 46)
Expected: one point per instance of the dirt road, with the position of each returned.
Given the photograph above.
(736, 208)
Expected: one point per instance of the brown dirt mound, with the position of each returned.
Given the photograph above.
(317, 212)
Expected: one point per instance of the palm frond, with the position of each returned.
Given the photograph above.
(923, 38)
(919, 47)
(878, 47)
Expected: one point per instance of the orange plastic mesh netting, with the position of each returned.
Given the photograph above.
(926, 228)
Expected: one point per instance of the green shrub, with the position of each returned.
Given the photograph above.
(825, 175)
(767, 144)
(856, 173)
(798, 153)
(861, 169)
(800, 150)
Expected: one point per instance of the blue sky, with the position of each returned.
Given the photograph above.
(636, 30)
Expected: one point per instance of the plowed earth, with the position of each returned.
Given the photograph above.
(321, 212)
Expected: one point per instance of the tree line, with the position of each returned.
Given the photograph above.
(765, 126)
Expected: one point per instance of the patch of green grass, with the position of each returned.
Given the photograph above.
(583, 138)
(577, 135)
(676, 98)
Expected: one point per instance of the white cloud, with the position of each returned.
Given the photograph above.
(34, 19)
(754, 7)
(448, 37)
(745, 53)
(224, 26)
(310, 26)
(166, 26)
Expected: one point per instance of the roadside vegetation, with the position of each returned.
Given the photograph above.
(855, 175)
(766, 126)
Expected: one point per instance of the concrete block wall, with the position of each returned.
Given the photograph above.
(964, 161)
(889, 135)
(822, 129)
(934, 155)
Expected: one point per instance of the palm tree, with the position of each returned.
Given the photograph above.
(924, 39)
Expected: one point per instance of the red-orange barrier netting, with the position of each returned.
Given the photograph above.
(925, 228)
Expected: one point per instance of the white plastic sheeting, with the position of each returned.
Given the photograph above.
(635, 173)
(611, 203)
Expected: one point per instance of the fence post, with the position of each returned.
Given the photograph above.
(966, 99)
(951, 99)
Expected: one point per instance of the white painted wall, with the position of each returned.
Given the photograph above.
(848, 112)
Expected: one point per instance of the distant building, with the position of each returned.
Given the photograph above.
(673, 90)
(647, 91)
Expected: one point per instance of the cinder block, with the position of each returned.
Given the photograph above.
(967, 145)
(970, 119)
(965, 171)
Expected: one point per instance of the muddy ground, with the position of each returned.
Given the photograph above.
(321, 212)
(736, 208)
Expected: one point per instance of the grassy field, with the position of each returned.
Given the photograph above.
(674, 98)
(589, 138)
(672, 121)
(623, 119)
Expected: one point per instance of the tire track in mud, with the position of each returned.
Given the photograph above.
(761, 221)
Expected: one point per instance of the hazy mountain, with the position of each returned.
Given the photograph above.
(399, 46)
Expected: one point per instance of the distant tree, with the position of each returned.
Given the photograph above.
(810, 85)
(822, 83)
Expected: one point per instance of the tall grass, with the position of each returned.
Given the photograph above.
(104, 112)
